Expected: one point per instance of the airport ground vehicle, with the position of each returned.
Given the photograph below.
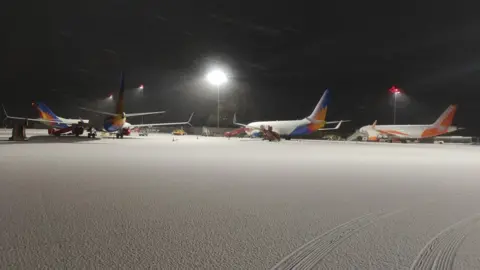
(235, 132)
(179, 132)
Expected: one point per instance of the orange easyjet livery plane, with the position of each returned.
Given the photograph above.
(441, 126)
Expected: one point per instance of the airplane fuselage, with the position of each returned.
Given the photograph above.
(285, 128)
(405, 131)
(115, 123)
(66, 125)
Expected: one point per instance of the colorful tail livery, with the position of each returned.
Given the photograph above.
(445, 120)
(320, 112)
(47, 114)
(443, 123)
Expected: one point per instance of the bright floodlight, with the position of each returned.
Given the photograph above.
(140, 87)
(110, 97)
(217, 77)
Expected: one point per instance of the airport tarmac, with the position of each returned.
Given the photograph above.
(218, 203)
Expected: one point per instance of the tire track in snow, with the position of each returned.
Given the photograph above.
(440, 251)
(311, 253)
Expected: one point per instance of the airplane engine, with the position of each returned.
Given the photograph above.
(78, 130)
(269, 134)
(126, 131)
(50, 131)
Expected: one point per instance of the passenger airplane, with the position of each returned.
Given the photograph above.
(56, 125)
(274, 130)
(403, 132)
(117, 122)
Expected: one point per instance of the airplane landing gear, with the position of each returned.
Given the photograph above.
(92, 133)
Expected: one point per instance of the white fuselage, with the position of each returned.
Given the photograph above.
(404, 131)
(283, 128)
(65, 123)
(73, 121)
(126, 125)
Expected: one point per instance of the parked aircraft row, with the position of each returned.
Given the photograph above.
(275, 130)
(115, 122)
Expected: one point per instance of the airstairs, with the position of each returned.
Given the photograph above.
(355, 136)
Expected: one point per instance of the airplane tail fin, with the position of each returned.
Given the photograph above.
(45, 112)
(374, 124)
(242, 125)
(120, 103)
(235, 121)
(6, 116)
(445, 120)
(5, 111)
(190, 119)
(320, 111)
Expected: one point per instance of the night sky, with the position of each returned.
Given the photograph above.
(280, 55)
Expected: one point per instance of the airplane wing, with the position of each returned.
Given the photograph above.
(141, 114)
(95, 111)
(336, 122)
(242, 125)
(336, 127)
(164, 124)
(35, 120)
(265, 130)
(30, 119)
(392, 133)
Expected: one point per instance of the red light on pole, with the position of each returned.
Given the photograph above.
(394, 90)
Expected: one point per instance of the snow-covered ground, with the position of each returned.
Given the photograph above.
(214, 203)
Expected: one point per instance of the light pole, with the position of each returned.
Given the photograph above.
(395, 91)
(140, 90)
(218, 105)
(217, 78)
